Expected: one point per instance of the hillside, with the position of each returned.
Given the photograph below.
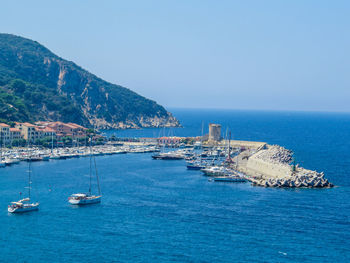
(35, 84)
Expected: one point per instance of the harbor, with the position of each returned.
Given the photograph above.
(223, 159)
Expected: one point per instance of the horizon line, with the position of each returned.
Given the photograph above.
(262, 110)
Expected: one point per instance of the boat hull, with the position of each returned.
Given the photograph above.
(157, 157)
(229, 179)
(85, 201)
(24, 209)
(194, 167)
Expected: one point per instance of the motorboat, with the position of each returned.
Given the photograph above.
(215, 171)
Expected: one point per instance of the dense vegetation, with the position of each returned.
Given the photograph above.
(35, 84)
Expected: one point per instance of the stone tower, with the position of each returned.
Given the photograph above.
(214, 132)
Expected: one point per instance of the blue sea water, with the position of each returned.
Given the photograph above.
(157, 211)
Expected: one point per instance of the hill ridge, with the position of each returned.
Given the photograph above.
(36, 84)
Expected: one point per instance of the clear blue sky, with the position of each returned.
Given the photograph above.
(279, 55)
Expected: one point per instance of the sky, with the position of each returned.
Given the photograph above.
(262, 55)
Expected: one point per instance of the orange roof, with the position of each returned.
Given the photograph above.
(44, 129)
(4, 125)
(70, 125)
(15, 130)
(47, 129)
(76, 125)
(28, 124)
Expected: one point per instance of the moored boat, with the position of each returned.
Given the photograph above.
(195, 166)
(168, 156)
(89, 198)
(84, 199)
(22, 206)
(232, 179)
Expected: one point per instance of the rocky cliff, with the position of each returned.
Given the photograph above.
(35, 84)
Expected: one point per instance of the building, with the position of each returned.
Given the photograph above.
(8, 134)
(31, 132)
(214, 132)
(15, 134)
(170, 140)
(65, 129)
(5, 136)
(27, 130)
(41, 129)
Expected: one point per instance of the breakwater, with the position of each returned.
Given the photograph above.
(272, 167)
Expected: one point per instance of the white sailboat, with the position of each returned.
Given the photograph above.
(2, 162)
(87, 198)
(24, 205)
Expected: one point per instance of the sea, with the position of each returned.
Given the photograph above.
(157, 211)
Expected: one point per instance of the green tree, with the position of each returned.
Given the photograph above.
(18, 85)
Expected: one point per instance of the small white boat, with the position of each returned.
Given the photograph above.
(22, 206)
(84, 199)
(9, 161)
(215, 171)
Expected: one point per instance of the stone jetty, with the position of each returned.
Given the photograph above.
(272, 166)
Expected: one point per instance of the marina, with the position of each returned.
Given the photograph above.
(261, 164)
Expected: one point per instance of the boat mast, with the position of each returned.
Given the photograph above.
(229, 148)
(29, 175)
(51, 142)
(98, 181)
(29, 170)
(201, 149)
(1, 146)
(90, 164)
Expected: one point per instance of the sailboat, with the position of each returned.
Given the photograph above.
(87, 198)
(2, 162)
(24, 204)
(197, 165)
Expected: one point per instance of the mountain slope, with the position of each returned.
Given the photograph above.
(35, 84)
